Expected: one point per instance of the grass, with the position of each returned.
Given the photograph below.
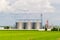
(28, 35)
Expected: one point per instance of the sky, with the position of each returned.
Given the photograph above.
(12, 11)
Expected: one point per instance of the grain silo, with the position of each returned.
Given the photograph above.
(28, 24)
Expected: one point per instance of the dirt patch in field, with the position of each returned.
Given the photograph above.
(58, 38)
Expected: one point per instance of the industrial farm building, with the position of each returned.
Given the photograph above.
(28, 24)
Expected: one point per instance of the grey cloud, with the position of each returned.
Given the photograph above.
(25, 6)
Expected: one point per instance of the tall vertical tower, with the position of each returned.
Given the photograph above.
(41, 21)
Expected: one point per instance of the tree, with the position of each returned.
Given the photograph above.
(46, 27)
(6, 27)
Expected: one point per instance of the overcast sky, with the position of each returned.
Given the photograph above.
(13, 10)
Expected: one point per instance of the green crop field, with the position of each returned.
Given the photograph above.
(28, 35)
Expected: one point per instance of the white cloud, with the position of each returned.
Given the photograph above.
(25, 6)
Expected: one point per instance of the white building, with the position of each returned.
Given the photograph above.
(28, 24)
(1, 27)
